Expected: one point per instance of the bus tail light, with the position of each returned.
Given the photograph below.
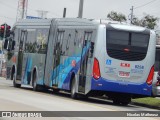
(150, 76)
(96, 69)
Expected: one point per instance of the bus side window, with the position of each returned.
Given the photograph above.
(76, 38)
(88, 40)
(59, 42)
(68, 41)
(92, 47)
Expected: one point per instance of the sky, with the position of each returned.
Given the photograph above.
(93, 9)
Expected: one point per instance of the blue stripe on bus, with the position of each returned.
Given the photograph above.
(124, 87)
(64, 77)
(66, 83)
(27, 69)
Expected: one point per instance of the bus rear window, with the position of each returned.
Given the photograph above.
(139, 40)
(115, 37)
(124, 45)
(127, 38)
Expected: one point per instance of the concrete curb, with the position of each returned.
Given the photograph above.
(2, 78)
(145, 105)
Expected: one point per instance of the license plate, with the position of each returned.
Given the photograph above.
(124, 74)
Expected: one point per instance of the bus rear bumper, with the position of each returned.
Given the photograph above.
(121, 87)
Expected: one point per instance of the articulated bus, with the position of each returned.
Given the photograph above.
(84, 57)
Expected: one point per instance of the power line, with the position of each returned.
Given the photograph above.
(145, 4)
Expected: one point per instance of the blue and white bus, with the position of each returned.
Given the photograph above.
(84, 57)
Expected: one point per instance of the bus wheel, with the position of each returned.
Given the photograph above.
(14, 82)
(73, 89)
(56, 90)
(116, 102)
(125, 103)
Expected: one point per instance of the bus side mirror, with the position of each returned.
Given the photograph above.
(13, 44)
(6, 43)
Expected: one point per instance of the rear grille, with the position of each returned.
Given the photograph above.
(128, 56)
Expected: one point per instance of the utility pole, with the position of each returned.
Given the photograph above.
(64, 13)
(131, 19)
(80, 14)
(22, 9)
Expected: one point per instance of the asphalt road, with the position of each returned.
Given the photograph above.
(24, 99)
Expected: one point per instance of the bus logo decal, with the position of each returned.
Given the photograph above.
(108, 62)
(125, 65)
(139, 67)
(73, 63)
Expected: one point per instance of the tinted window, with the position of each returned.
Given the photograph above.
(116, 37)
(42, 40)
(30, 45)
(124, 45)
(139, 39)
(127, 38)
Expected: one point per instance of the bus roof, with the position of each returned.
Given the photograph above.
(47, 22)
(122, 25)
(26, 22)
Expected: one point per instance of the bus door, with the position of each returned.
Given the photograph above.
(23, 38)
(84, 61)
(56, 57)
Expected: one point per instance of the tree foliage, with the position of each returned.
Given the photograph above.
(147, 21)
(116, 16)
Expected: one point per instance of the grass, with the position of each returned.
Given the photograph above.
(148, 101)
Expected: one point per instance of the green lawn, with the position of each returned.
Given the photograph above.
(148, 101)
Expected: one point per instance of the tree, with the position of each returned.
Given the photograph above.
(116, 16)
(147, 21)
(136, 21)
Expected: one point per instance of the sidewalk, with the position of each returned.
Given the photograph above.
(2, 78)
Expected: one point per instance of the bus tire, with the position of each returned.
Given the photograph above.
(56, 90)
(73, 89)
(125, 103)
(14, 82)
(116, 101)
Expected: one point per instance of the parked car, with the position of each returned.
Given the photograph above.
(156, 85)
(156, 78)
